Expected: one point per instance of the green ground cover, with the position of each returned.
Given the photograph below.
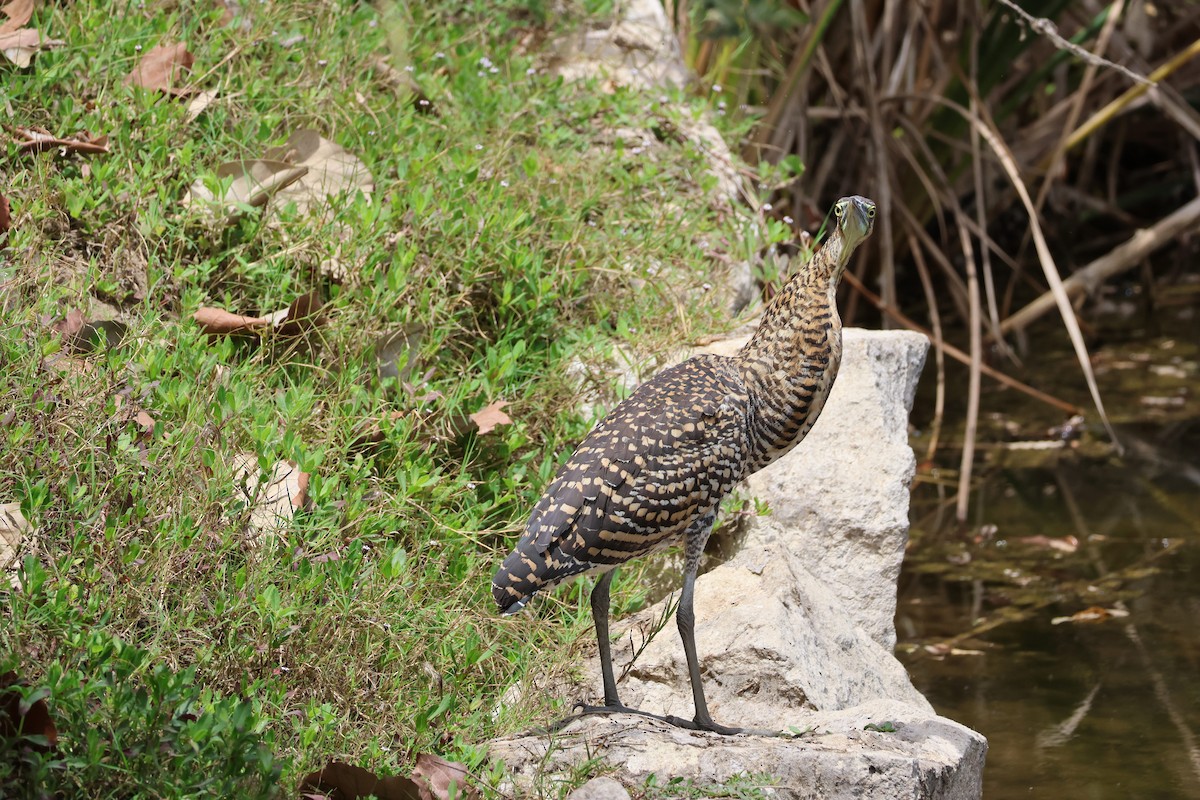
(181, 650)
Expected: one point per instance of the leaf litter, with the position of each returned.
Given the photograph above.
(164, 68)
(433, 778)
(14, 529)
(272, 502)
(308, 171)
(491, 416)
(20, 46)
(301, 316)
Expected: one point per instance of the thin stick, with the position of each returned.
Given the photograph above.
(972, 422)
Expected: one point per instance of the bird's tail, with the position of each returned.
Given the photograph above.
(524, 572)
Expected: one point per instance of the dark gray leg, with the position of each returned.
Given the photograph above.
(685, 618)
(600, 618)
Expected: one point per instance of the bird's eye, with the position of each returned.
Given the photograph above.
(839, 210)
(870, 212)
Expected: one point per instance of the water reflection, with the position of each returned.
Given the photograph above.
(1108, 709)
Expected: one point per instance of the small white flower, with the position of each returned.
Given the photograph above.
(409, 68)
(137, 47)
(373, 23)
(767, 206)
(531, 71)
(439, 54)
(504, 184)
(716, 87)
(478, 147)
(480, 73)
(485, 62)
(788, 220)
(706, 286)
(493, 70)
(321, 62)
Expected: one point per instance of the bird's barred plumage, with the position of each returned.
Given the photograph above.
(656, 468)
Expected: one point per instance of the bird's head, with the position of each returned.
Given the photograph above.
(855, 219)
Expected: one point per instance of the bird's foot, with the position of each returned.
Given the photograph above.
(583, 710)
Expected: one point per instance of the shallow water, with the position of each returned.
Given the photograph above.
(1097, 710)
(1107, 709)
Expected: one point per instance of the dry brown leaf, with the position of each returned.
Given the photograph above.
(331, 171)
(21, 45)
(145, 421)
(341, 781)
(69, 326)
(5, 215)
(219, 321)
(303, 313)
(440, 779)
(36, 140)
(271, 502)
(308, 171)
(199, 104)
(18, 12)
(19, 718)
(13, 529)
(488, 417)
(164, 68)
(253, 184)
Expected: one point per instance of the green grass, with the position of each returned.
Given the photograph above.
(502, 229)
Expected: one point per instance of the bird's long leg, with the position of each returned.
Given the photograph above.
(600, 606)
(685, 618)
(612, 703)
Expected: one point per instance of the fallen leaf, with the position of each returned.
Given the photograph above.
(37, 140)
(488, 417)
(13, 528)
(272, 503)
(5, 215)
(300, 316)
(340, 781)
(441, 779)
(253, 183)
(70, 325)
(20, 46)
(18, 12)
(163, 68)
(331, 170)
(1093, 614)
(19, 717)
(309, 170)
(145, 421)
(199, 104)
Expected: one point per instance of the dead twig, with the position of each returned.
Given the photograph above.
(1116, 261)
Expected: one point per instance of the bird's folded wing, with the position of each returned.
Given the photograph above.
(661, 457)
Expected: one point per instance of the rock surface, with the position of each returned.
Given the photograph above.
(795, 631)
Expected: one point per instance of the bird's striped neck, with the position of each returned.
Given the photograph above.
(789, 365)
